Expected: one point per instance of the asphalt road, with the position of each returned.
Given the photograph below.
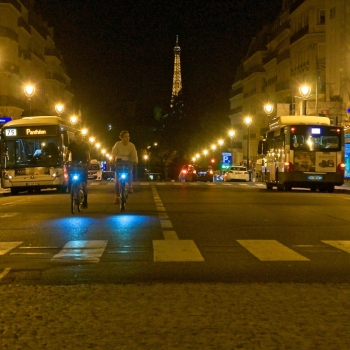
(173, 232)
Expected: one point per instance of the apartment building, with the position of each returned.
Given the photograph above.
(308, 43)
(28, 55)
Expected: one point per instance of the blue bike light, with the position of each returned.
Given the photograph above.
(123, 176)
(75, 177)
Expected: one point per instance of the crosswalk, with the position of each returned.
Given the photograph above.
(171, 249)
(220, 184)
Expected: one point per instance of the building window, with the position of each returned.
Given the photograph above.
(321, 17)
(332, 13)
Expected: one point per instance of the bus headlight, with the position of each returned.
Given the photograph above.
(7, 176)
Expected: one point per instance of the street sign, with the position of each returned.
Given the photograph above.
(225, 160)
(5, 119)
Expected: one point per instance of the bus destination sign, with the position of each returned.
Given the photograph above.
(32, 131)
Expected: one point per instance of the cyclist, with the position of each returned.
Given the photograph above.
(124, 150)
(80, 152)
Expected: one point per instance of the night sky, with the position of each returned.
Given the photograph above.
(120, 56)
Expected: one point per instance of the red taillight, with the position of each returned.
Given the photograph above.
(184, 171)
(288, 167)
(341, 168)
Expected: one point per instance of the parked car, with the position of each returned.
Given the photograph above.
(94, 171)
(188, 173)
(205, 174)
(237, 173)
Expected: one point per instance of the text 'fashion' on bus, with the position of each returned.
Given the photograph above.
(32, 154)
(304, 152)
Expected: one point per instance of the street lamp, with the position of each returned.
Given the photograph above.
(305, 92)
(29, 91)
(91, 139)
(268, 108)
(73, 119)
(232, 134)
(59, 108)
(247, 122)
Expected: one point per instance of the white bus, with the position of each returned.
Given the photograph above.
(304, 152)
(32, 154)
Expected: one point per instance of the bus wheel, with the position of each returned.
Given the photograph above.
(313, 189)
(330, 189)
(30, 190)
(14, 191)
(268, 186)
(62, 189)
(288, 188)
(280, 187)
(323, 189)
(37, 189)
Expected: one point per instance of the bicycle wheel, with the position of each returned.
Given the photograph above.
(72, 198)
(122, 195)
(80, 198)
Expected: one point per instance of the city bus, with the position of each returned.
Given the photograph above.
(303, 152)
(32, 154)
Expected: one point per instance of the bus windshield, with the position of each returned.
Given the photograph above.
(322, 139)
(25, 152)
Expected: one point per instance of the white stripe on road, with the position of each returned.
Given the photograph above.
(170, 235)
(5, 247)
(271, 250)
(342, 245)
(176, 251)
(4, 273)
(82, 250)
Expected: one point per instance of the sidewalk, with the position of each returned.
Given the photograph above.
(176, 316)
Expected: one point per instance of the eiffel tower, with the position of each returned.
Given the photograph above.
(176, 104)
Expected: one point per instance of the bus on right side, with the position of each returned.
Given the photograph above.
(303, 152)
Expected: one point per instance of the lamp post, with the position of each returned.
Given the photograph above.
(232, 134)
(29, 91)
(247, 122)
(268, 108)
(305, 92)
(59, 108)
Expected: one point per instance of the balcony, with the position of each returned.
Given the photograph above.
(10, 67)
(26, 54)
(255, 69)
(283, 85)
(236, 92)
(236, 110)
(52, 52)
(299, 34)
(14, 3)
(11, 101)
(54, 76)
(22, 23)
(283, 56)
(295, 5)
(269, 57)
(8, 33)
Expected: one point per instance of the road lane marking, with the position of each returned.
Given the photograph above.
(170, 235)
(342, 245)
(4, 273)
(95, 184)
(164, 223)
(5, 247)
(8, 215)
(271, 250)
(176, 251)
(82, 250)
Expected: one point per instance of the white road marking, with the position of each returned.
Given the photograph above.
(4, 273)
(342, 245)
(8, 215)
(271, 250)
(176, 251)
(170, 235)
(5, 247)
(166, 223)
(82, 250)
(95, 184)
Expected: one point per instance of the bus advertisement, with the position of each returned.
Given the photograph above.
(32, 154)
(303, 152)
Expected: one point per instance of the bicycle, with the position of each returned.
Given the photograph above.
(122, 170)
(75, 171)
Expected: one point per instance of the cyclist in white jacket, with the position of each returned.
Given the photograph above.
(124, 150)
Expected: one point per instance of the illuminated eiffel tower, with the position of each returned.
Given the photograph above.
(176, 97)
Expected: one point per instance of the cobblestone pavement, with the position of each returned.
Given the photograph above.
(175, 316)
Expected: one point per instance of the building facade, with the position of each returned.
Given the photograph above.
(28, 55)
(309, 43)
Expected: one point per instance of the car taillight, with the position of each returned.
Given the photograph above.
(184, 171)
(341, 168)
(288, 167)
